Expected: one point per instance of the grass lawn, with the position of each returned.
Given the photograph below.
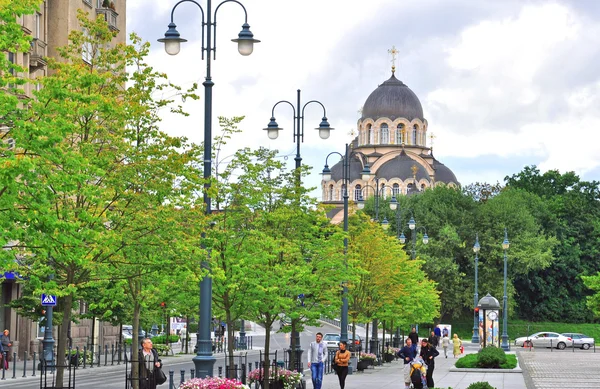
(470, 361)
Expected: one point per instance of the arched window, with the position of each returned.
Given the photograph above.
(414, 134)
(422, 187)
(371, 135)
(385, 134)
(399, 131)
(342, 191)
(409, 188)
(330, 197)
(357, 192)
(396, 190)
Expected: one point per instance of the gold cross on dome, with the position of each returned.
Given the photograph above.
(393, 51)
(431, 137)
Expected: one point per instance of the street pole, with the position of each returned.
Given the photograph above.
(504, 345)
(242, 342)
(204, 360)
(298, 136)
(475, 338)
(48, 341)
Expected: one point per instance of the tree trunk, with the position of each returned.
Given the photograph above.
(230, 337)
(266, 359)
(62, 339)
(135, 343)
(293, 344)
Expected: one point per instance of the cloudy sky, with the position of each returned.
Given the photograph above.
(503, 84)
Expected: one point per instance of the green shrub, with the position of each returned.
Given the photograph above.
(160, 339)
(480, 385)
(469, 361)
(491, 357)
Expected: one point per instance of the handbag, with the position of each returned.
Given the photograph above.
(462, 350)
(159, 376)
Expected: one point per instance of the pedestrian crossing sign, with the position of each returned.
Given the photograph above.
(48, 300)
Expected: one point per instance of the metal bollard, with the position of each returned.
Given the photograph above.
(3, 371)
(99, 354)
(192, 373)
(171, 381)
(112, 354)
(84, 356)
(14, 366)
(105, 354)
(119, 354)
(220, 371)
(33, 360)
(25, 364)
(182, 373)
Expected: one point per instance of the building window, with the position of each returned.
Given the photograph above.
(37, 32)
(357, 192)
(343, 191)
(385, 134)
(86, 49)
(422, 187)
(414, 134)
(382, 191)
(399, 131)
(409, 188)
(330, 197)
(396, 190)
(371, 135)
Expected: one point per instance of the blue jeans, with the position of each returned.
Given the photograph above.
(316, 370)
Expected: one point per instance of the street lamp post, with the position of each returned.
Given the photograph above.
(366, 173)
(504, 345)
(204, 360)
(273, 132)
(475, 338)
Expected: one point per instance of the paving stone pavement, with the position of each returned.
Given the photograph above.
(543, 369)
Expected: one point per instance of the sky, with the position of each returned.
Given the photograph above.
(503, 84)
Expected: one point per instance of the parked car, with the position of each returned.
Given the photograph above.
(545, 339)
(580, 340)
(332, 341)
(354, 344)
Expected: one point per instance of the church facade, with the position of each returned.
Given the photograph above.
(392, 141)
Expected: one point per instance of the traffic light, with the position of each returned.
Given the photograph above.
(477, 310)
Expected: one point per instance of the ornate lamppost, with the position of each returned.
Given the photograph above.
(504, 345)
(475, 338)
(204, 359)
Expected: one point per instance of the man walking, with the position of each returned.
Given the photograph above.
(407, 353)
(317, 355)
(414, 338)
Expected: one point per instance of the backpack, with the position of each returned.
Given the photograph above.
(415, 373)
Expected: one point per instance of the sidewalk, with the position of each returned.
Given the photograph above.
(390, 375)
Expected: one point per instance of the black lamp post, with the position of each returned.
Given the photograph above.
(273, 132)
(504, 345)
(475, 338)
(204, 359)
(366, 174)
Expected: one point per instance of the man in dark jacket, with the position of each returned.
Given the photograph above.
(414, 337)
(407, 353)
(428, 353)
(434, 340)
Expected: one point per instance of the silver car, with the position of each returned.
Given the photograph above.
(332, 341)
(545, 339)
(580, 340)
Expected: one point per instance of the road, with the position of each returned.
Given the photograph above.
(113, 377)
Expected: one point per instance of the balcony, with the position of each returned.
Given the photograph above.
(110, 15)
(37, 54)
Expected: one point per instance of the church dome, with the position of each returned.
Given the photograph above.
(393, 99)
(402, 167)
(443, 173)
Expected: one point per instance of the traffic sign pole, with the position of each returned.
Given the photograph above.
(48, 342)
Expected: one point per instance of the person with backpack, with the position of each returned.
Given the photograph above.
(408, 354)
(428, 353)
(418, 374)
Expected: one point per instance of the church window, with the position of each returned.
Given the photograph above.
(396, 190)
(343, 191)
(422, 187)
(371, 135)
(357, 192)
(414, 134)
(409, 188)
(399, 131)
(330, 197)
(385, 134)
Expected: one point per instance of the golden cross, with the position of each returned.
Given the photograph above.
(414, 169)
(352, 133)
(393, 51)
(431, 137)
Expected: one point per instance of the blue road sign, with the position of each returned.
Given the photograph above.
(48, 300)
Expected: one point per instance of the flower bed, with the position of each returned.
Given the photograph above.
(212, 383)
(288, 378)
(367, 356)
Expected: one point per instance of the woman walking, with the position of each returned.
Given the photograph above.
(342, 357)
(445, 344)
(428, 353)
(456, 343)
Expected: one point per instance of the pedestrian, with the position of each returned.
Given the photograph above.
(480, 334)
(148, 362)
(414, 337)
(317, 356)
(456, 344)
(445, 344)
(407, 354)
(445, 332)
(434, 340)
(438, 331)
(342, 357)
(6, 345)
(183, 335)
(428, 353)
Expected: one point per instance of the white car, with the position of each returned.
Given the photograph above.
(545, 339)
(580, 340)
(332, 341)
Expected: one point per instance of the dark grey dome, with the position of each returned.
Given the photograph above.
(356, 168)
(401, 167)
(443, 173)
(392, 99)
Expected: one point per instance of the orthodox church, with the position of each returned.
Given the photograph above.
(391, 142)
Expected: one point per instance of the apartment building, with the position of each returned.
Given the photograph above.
(49, 27)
